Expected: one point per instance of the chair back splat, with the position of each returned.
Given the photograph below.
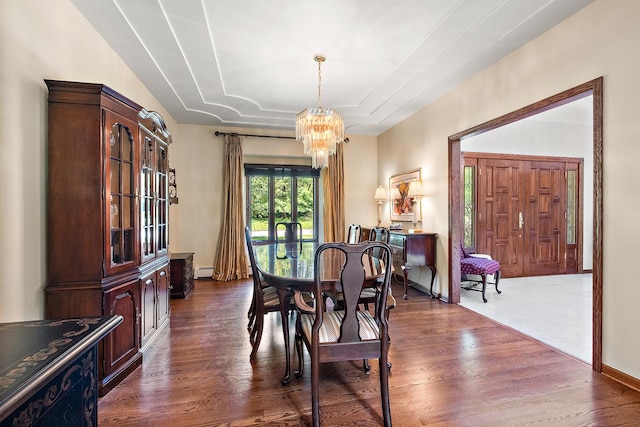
(292, 232)
(353, 233)
(379, 234)
(350, 333)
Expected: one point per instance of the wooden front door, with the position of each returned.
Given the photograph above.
(500, 196)
(521, 213)
(544, 232)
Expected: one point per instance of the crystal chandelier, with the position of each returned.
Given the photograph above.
(320, 129)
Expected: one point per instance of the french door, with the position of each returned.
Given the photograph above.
(281, 194)
(526, 212)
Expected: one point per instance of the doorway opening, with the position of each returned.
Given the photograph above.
(593, 88)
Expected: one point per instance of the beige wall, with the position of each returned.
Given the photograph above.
(600, 40)
(197, 157)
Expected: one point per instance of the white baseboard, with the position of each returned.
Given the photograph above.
(203, 272)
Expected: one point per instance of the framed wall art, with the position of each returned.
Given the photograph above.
(402, 205)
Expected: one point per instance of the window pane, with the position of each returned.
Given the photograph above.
(305, 206)
(282, 191)
(469, 206)
(259, 207)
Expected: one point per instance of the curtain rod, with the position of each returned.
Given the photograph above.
(218, 133)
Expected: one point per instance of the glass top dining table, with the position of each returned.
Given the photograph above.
(289, 264)
(289, 267)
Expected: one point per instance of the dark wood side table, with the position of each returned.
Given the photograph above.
(49, 371)
(181, 274)
(414, 250)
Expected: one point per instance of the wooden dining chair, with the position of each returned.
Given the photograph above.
(371, 294)
(368, 295)
(376, 234)
(351, 333)
(265, 299)
(292, 232)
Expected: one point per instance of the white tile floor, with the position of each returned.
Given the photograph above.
(556, 310)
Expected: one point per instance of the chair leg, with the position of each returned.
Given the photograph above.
(315, 390)
(365, 366)
(254, 329)
(484, 287)
(497, 277)
(251, 314)
(252, 320)
(384, 388)
(299, 349)
(257, 330)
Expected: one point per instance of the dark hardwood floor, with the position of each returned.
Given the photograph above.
(450, 367)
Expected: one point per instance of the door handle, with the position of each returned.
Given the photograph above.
(520, 220)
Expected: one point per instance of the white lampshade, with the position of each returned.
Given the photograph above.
(381, 194)
(415, 189)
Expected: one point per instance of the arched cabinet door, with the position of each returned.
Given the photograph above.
(121, 193)
(120, 347)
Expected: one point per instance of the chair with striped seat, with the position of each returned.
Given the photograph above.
(350, 333)
(475, 268)
(265, 300)
(370, 294)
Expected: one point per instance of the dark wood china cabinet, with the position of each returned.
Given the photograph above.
(107, 219)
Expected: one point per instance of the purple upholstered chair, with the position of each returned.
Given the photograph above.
(476, 267)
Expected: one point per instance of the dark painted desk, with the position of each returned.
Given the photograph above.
(48, 371)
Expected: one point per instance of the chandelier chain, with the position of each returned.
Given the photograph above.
(319, 83)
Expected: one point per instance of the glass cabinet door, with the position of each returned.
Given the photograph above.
(154, 201)
(120, 193)
(162, 165)
(147, 198)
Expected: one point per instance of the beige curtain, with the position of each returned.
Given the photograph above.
(231, 259)
(333, 178)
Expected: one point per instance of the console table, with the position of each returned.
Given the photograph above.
(49, 371)
(414, 250)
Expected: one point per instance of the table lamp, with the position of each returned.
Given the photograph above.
(380, 197)
(415, 192)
